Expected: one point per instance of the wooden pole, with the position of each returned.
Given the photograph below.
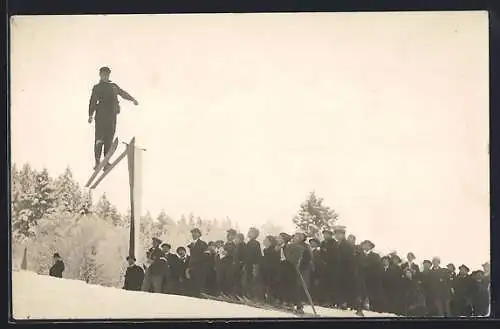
(135, 182)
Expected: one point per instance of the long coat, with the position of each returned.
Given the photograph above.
(134, 277)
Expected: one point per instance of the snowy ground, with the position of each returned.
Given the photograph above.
(43, 297)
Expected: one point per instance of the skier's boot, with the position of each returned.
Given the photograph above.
(106, 167)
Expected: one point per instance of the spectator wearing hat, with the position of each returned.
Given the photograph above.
(252, 265)
(316, 272)
(439, 281)
(328, 252)
(198, 262)
(371, 273)
(57, 268)
(183, 268)
(345, 270)
(239, 265)
(463, 287)
(174, 274)
(479, 295)
(270, 266)
(305, 267)
(226, 266)
(134, 275)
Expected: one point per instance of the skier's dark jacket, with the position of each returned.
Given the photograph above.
(104, 98)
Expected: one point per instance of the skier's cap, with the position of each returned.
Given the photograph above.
(56, 255)
(464, 267)
(339, 228)
(368, 242)
(156, 239)
(130, 257)
(104, 69)
(232, 231)
(196, 230)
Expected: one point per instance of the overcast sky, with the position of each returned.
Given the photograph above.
(384, 115)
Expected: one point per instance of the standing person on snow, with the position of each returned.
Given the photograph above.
(104, 103)
(134, 276)
(57, 268)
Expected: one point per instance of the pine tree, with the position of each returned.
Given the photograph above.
(68, 193)
(35, 200)
(107, 211)
(313, 216)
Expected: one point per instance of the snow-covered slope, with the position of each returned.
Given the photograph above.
(43, 297)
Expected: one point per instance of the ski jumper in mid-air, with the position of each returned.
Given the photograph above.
(106, 107)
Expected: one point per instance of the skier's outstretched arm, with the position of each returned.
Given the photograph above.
(92, 103)
(125, 95)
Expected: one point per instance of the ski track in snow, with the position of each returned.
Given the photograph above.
(43, 297)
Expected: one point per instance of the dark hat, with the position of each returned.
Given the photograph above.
(368, 242)
(196, 230)
(339, 228)
(231, 231)
(464, 267)
(285, 236)
(167, 245)
(56, 255)
(427, 261)
(180, 248)
(104, 69)
(130, 257)
(156, 239)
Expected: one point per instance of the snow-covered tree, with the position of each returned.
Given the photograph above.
(269, 228)
(107, 211)
(313, 216)
(68, 193)
(35, 199)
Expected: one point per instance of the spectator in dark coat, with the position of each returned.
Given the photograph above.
(305, 266)
(226, 268)
(239, 265)
(463, 287)
(391, 283)
(134, 275)
(182, 270)
(317, 291)
(425, 280)
(345, 270)
(253, 255)
(211, 283)
(371, 271)
(174, 269)
(479, 295)
(286, 272)
(440, 285)
(197, 270)
(57, 268)
(413, 295)
(270, 265)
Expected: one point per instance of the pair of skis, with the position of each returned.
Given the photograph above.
(105, 166)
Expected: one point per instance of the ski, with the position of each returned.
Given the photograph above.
(101, 165)
(108, 170)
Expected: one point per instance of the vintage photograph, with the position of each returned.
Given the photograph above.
(259, 165)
